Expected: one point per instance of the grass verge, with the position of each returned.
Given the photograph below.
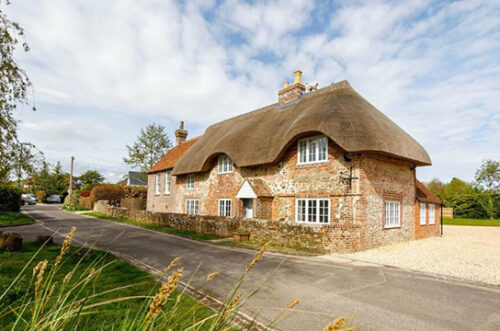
(12, 218)
(113, 281)
(183, 233)
(272, 247)
(471, 222)
(74, 208)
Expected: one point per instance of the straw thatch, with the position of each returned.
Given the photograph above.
(337, 111)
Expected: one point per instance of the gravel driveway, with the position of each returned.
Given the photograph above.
(471, 252)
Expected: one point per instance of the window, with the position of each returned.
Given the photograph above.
(192, 207)
(224, 164)
(190, 182)
(167, 182)
(312, 211)
(225, 207)
(432, 214)
(157, 184)
(422, 214)
(313, 150)
(392, 214)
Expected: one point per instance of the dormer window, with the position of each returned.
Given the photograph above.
(224, 164)
(313, 150)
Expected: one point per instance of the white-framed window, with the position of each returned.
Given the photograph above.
(192, 207)
(392, 217)
(432, 214)
(312, 211)
(190, 182)
(225, 207)
(313, 150)
(423, 211)
(157, 184)
(224, 164)
(167, 182)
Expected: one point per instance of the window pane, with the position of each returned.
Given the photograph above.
(322, 149)
(323, 210)
(312, 150)
(301, 210)
(312, 211)
(302, 151)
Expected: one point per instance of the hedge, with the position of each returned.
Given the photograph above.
(111, 192)
(10, 198)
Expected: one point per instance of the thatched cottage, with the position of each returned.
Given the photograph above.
(324, 157)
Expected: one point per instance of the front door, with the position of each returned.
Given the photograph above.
(247, 207)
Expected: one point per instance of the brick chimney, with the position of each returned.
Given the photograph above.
(180, 134)
(292, 92)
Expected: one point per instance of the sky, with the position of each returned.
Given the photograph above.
(102, 70)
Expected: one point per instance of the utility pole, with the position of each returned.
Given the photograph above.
(70, 191)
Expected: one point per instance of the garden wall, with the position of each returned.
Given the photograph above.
(326, 238)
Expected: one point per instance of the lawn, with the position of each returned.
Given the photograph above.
(184, 233)
(12, 218)
(471, 222)
(115, 274)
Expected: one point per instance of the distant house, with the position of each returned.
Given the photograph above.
(322, 157)
(135, 178)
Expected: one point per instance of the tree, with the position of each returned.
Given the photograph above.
(436, 186)
(488, 177)
(91, 177)
(14, 84)
(151, 144)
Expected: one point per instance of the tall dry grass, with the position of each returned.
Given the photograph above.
(64, 305)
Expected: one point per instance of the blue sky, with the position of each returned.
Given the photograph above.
(102, 70)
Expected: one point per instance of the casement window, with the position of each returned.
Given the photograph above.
(432, 214)
(192, 207)
(225, 207)
(167, 182)
(313, 150)
(312, 211)
(392, 217)
(157, 184)
(423, 214)
(190, 182)
(224, 164)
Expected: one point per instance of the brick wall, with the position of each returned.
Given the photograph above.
(427, 230)
(381, 180)
(326, 238)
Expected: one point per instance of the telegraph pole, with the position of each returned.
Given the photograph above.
(70, 191)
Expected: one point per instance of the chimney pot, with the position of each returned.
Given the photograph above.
(285, 84)
(182, 125)
(297, 77)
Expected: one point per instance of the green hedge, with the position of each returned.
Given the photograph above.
(10, 198)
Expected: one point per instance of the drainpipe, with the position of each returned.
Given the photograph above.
(442, 205)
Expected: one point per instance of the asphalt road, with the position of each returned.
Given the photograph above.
(375, 297)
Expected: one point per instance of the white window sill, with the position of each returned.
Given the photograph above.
(314, 162)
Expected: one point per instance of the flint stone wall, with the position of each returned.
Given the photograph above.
(319, 238)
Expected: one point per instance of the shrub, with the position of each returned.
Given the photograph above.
(84, 193)
(88, 187)
(135, 192)
(71, 200)
(10, 198)
(41, 195)
(111, 192)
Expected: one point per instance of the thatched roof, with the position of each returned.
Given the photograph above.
(263, 135)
